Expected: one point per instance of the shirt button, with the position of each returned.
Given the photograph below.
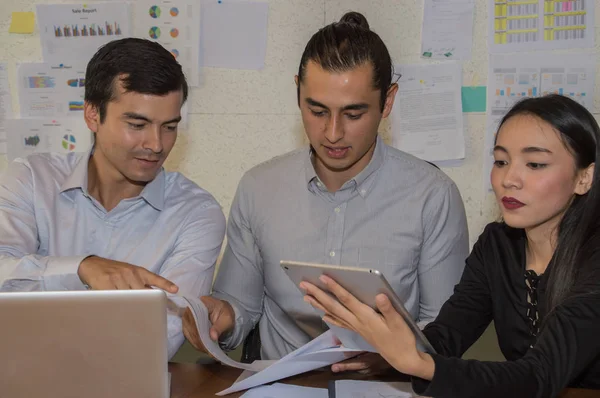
(332, 254)
(337, 209)
(363, 192)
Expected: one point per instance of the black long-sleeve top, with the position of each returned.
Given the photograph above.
(566, 352)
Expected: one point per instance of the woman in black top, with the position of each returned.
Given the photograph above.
(537, 274)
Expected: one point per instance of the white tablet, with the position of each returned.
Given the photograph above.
(363, 283)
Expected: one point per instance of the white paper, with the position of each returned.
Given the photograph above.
(74, 32)
(372, 389)
(447, 31)
(287, 367)
(234, 34)
(322, 351)
(575, 81)
(175, 25)
(540, 25)
(427, 114)
(5, 105)
(47, 90)
(200, 314)
(60, 135)
(279, 390)
(511, 79)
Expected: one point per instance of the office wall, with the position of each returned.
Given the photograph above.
(240, 118)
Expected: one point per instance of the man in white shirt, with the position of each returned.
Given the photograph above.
(113, 218)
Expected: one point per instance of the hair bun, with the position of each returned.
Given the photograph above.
(355, 18)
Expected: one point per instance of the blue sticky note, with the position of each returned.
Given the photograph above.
(473, 98)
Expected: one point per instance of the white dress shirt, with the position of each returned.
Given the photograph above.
(49, 223)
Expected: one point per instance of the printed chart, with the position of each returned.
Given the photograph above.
(47, 90)
(173, 24)
(523, 25)
(74, 32)
(60, 135)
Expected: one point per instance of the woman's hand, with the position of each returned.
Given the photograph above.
(387, 331)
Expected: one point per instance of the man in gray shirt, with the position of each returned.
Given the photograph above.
(348, 199)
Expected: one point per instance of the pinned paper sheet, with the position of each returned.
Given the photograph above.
(51, 90)
(174, 25)
(427, 117)
(539, 25)
(38, 135)
(74, 32)
(447, 31)
(22, 22)
(513, 79)
(234, 34)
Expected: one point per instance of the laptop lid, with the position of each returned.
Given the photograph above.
(89, 344)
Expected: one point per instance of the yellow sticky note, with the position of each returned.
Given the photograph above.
(22, 22)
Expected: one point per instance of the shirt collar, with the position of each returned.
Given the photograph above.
(362, 181)
(153, 193)
(79, 176)
(309, 170)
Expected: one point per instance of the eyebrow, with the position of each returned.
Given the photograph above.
(529, 149)
(137, 116)
(350, 107)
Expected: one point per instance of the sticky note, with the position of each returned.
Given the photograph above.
(473, 98)
(22, 22)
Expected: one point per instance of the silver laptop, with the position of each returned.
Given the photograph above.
(93, 344)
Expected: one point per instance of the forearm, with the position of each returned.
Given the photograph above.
(34, 272)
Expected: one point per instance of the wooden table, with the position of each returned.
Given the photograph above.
(189, 380)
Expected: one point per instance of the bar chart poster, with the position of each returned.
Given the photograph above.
(512, 79)
(74, 32)
(512, 84)
(575, 82)
(38, 135)
(47, 90)
(524, 25)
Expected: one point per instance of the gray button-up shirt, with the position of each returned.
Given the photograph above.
(49, 224)
(400, 216)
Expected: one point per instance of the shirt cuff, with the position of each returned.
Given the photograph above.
(61, 273)
(63, 265)
(233, 338)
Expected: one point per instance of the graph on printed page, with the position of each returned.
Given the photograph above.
(524, 25)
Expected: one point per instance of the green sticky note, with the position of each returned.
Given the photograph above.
(22, 22)
(473, 98)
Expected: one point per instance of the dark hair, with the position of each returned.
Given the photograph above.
(580, 133)
(344, 45)
(143, 66)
